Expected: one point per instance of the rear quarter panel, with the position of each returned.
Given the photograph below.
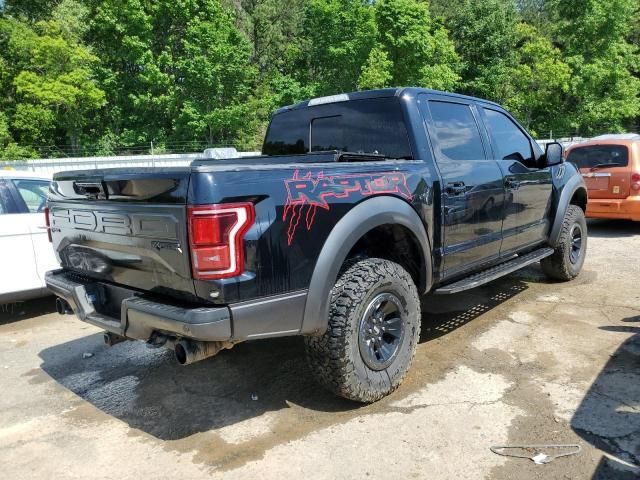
(297, 206)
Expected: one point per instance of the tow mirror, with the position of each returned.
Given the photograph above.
(554, 154)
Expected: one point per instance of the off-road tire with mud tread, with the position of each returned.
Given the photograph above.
(334, 357)
(558, 266)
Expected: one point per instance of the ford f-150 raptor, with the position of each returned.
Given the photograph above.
(359, 204)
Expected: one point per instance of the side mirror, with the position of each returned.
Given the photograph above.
(554, 154)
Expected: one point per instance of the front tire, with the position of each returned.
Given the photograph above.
(374, 327)
(566, 261)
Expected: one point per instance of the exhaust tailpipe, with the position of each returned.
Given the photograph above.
(191, 351)
(111, 339)
(62, 307)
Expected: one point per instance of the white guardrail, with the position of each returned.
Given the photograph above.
(53, 165)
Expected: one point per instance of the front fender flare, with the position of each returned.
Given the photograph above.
(574, 184)
(354, 225)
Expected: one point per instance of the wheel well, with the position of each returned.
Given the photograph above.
(396, 243)
(580, 199)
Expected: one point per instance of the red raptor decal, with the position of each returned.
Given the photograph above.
(312, 192)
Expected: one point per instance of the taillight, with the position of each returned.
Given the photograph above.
(216, 239)
(635, 182)
(47, 223)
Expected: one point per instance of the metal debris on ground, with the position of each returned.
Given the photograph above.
(539, 457)
(87, 355)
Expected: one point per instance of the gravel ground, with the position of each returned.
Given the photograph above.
(519, 361)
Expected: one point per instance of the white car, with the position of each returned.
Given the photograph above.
(25, 251)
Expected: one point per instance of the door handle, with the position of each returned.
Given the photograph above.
(511, 183)
(456, 188)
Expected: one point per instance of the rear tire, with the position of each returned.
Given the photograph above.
(568, 257)
(374, 327)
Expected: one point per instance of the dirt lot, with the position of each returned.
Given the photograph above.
(521, 361)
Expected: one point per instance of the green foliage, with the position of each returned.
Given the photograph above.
(103, 76)
(215, 76)
(337, 38)
(13, 151)
(605, 88)
(487, 34)
(418, 47)
(5, 136)
(274, 28)
(71, 16)
(376, 72)
(58, 81)
(32, 10)
(540, 81)
(50, 84)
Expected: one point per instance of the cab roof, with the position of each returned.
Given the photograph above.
(381, 93)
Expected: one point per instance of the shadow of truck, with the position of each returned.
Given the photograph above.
(147, 389)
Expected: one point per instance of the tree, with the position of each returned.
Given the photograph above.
(135, 70)
(71, 17)
(485, 33)
(419, 49)
(274, 28)
(215, 77)
(605, 88)
(57, 85)
(9, 150)
(175, 71)
(108, 75)
(337, 38)
(538, 14)
(32, 10)
(540, 82)
(376, 72)
(50, 92)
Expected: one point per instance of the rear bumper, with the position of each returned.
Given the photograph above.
(132, 316)
(619, 208)
(139, 318)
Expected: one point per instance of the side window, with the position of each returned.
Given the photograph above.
(33, 192)
(457, 133)
(510, 142)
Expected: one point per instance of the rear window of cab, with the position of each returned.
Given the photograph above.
(373, 125)
(601, 156)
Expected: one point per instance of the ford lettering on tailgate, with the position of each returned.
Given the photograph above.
(156, 226)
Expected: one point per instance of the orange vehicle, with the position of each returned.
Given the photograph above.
(610, 165)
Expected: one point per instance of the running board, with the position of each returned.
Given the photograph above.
(493, 273)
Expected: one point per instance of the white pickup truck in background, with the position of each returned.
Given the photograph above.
(25, 251)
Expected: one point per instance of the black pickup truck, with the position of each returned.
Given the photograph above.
(360, 204)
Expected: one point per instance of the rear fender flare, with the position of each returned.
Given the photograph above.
(354, 225)
(574, 184)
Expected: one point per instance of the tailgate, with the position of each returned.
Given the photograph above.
(607, 183)
(123, 227)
